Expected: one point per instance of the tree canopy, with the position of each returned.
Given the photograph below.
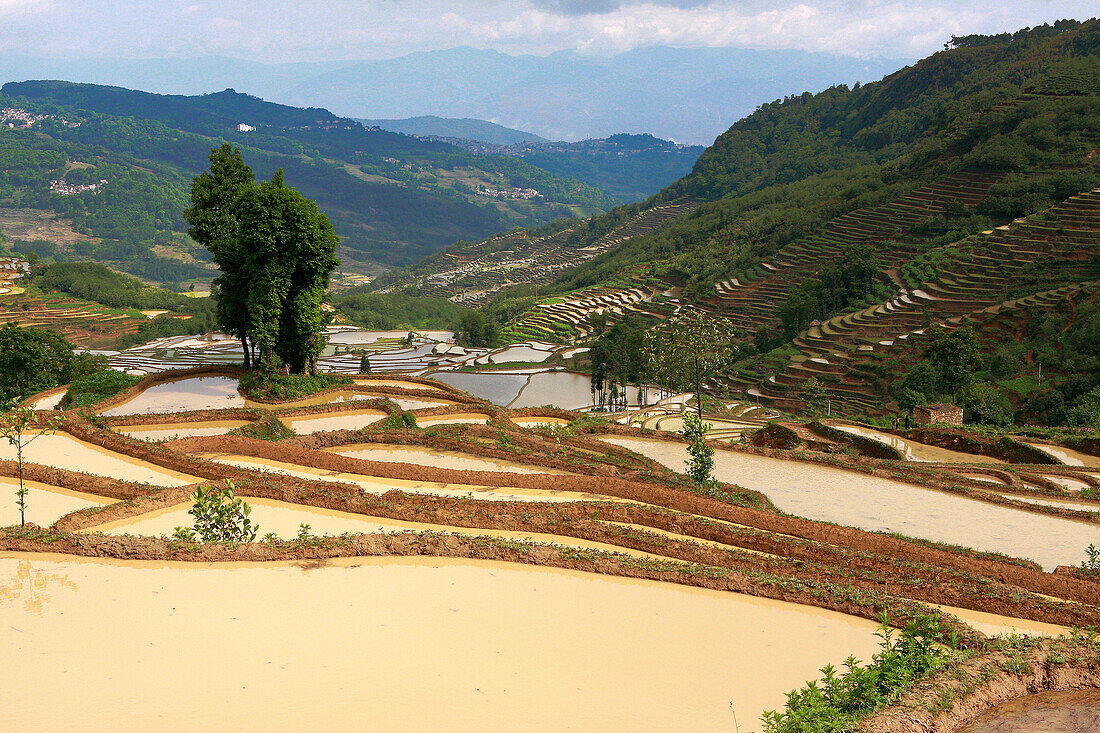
(275, 250)
(690, 349)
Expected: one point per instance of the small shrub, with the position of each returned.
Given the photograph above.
(701, 462)
(219, 517)
(1091, 564)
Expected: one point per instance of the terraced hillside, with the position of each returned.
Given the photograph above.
(569, 317)
(470, 274)
(1030, 264)
(887, 228)
(386, 477)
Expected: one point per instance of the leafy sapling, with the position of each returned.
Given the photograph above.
(17, 426)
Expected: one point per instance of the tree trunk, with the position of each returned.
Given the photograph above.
(699, 397)
(247, 352)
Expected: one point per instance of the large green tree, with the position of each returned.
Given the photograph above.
(288, 250)
(275, 250)
(214, 221)
(34, 359)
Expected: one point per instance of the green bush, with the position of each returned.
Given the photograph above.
(838, 702)
(93, 388)
(276, 387)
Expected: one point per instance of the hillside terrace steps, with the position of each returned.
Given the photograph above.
(962, 296)
(757, 299)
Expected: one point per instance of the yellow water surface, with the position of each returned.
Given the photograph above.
(417, 644)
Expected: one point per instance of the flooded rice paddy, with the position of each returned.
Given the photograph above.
(992, 624)
(463, 418)
(538, 421)
(49, 402)
(500, 389)
(404, 643)
(1068, 456)
(45, 504)
(172, 431)
(1064, 711)
(436, 458)
(914, 451)
(306, 424)
(64, 451)
(884, 505)
(194, 393)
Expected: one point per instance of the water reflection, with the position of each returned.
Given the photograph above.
(32, 586)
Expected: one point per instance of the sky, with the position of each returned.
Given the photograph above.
(337, 30)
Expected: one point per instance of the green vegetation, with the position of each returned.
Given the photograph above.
(618, 360)
(266, 387)
(851, 279)
(391, 311)
(1091, 564)
(33, 360)
(689, 350)
(219, 517)
(948, 364)
(627, 167)
(96, 282)
(96, 387)
(268, 428)
(838, 702)
(701, 462)
(393, 198)
(15, 421)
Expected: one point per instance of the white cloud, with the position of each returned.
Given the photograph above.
(292, 30)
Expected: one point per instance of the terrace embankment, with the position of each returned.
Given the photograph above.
(611, 501)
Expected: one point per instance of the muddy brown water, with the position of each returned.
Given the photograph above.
(61, 450)
(1064, 711)
(305, 424)
(914, 451)
(45, 504)
(183, 395)
(171, 431)
(436, 458)
(395, 644)
(877, 504)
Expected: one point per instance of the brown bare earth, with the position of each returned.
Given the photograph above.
(31, 224)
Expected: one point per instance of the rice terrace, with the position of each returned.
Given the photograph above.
(805, 441)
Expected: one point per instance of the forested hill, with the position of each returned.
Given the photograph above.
(392, 198)
(835, 229)
(1020, 107)
(628, 167)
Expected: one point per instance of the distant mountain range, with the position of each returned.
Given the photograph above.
(686, 94)
(467, 128)
(392, 198)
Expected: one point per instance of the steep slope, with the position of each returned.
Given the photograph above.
(832, 226)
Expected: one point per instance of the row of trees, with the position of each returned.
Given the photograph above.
(682, 355)
(275, 250)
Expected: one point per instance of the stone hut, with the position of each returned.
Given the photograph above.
(946, 414)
